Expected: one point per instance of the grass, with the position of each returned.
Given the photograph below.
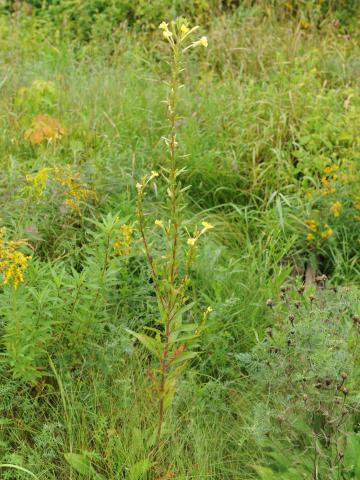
(268, 105)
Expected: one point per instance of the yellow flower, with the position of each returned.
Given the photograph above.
(332, 168)
(37, 182)
(207, 225)
(159, 223)
(13, 263)
(310, 237)
(324, 181)
(311, 224)
(184, 29)
(163, 26)
(326, 233)
(122, 243)
(167, 34)
(209, 310)
(203, 41)
(191, 241)
(335, 209)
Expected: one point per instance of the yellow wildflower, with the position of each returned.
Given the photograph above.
(335, 209)
(37, 182)
(13, 263)
(163, 26)
(159, 223)
(153, 175)
(310, 237)
(122, 244)
(327, 232)
(324, 181)
(332, 168)
(184, 29)
(207, 226)
(191, 241)
(203, 41)
(311, 224)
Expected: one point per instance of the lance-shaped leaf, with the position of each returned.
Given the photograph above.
(152, 344)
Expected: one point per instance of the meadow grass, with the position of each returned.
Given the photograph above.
(265, 109)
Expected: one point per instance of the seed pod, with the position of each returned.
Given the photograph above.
(269, 303)
(345, 391)
(344, 375)
(297, 304)
(291, 318)
(269, 332)
(312, 298)
(305, 397)
(301, 290)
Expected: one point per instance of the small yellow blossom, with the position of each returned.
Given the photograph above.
(203, 41)
(159, 223)
(163, 26)
(310, 237)
(311, 224)
(327, 232)
(209, 310)
(191, 241)
(332, 168)
(207, 225)
(324, 181)
(37, 182)
(184, 29)
(153, 175)
(335, 209)
(122, 243)
(13, 263)
(167, 34)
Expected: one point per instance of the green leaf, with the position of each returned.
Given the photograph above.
(138, 470)
(183, 357)
(153, 345)
(81, 464)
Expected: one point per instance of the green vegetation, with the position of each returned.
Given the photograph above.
(179, 243)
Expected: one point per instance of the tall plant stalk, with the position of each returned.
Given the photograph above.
(174, 341)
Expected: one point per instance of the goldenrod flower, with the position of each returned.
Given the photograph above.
(332, 168)
(335, 209)
(311, 224)
(37, 182)
(326, 233)
(122, 244)
(13, 263)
